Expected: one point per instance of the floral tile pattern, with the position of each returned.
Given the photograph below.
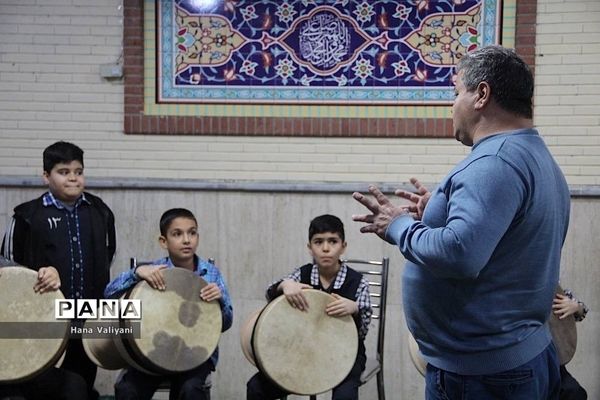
(317, 51)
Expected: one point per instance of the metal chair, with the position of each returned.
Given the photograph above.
(376, 274)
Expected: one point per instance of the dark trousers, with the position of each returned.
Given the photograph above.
(77, 361)
(190, 385)
(570, 389)
(53, 384)
(259, 387)
(536, 379)
(74, 380)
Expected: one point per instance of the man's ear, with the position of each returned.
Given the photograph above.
(162, 241)
(45, 176)
(484, 95)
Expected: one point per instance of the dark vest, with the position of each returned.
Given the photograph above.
(347, 290)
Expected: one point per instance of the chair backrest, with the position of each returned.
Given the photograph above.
(376, 274)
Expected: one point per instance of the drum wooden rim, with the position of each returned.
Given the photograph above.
(564, 334)
(168, 350)
(415, 355)
(23, 359)
(246, 336)
(309, 352)
(104, 351)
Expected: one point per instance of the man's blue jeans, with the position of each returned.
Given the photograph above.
(538, 379)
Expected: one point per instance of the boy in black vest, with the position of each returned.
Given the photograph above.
(68, 236)
(326, 244)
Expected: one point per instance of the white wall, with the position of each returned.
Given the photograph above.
(567, 96)
(259, 237)
(50, 89)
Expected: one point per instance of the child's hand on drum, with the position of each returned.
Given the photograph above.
(564, 306)
(153, 275)
(341, 306)
(293, 293)
(47, 280)
(210, 292)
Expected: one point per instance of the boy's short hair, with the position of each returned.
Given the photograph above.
(326, 223)
(61, 152)
(169, 215)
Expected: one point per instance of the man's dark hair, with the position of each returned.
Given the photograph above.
(326, 223)
(169, 215)
(61, 152)
(507, 74)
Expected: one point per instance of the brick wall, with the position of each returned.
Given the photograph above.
(567, 97)
(50, 89)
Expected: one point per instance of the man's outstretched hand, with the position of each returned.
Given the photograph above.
(383, 212)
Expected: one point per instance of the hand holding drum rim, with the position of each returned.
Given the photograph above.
(47, 280)
(153, 274)
(292, 291)
(210, 292)
(341, 306)
(563, 306)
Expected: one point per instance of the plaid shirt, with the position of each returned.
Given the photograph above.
(50, 200)
(578, 316)
(75, 246)
(362, 297)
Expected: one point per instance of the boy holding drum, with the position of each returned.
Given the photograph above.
(179, 236)
(327, 273)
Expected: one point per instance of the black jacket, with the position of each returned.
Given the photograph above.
(28, 240)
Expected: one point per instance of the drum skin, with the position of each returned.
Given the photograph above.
(103, 351)
(304, 352)
(23, 358)
(564, 334)
(416, 357)
(179, 331)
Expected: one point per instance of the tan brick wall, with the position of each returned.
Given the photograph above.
(567, 99)
(50, 89)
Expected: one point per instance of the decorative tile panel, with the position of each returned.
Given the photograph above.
(377, 52)
(371, 117)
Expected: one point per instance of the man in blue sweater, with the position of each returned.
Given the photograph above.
(483, 260)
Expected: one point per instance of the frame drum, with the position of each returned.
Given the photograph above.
(179, 331)
(43, 338)
(304, 352)
(564, 334)
(103, 351)
(416, 357)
